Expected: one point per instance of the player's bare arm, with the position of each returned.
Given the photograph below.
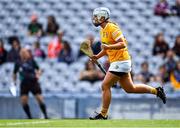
(99, 55)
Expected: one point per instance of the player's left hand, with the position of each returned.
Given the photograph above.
(104, 46)
(93, 58)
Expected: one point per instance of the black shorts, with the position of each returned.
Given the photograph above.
(118, 73)
(32, 86)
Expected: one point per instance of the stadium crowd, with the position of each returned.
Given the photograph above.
(61, 50)
(163, 8)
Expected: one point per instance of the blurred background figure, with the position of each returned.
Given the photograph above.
(91, 73)
(66, 54)
(162, 8)
(95, 45)
(176, 47)
(163, 74)
(160, 46)
(170, 61)
(145, 75)
(29, 75)
(35, 28)
(3, 52)
(13, 54)
(55, 46)
(37, 51)
(175, 9)
(52, 26)
(175, 76)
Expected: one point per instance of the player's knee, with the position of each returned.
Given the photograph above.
(24, 100)
(39, 98)
(105, 86)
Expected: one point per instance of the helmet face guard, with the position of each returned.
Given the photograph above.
(98, 13)
(96, 21)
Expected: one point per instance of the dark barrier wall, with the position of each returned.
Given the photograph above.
(84, 106)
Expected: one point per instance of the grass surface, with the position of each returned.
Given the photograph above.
(78, 123)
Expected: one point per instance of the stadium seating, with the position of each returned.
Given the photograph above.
(74, 16)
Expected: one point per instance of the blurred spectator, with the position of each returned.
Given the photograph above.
(162, 8)
(35, 28)
(175, 76)
(29, 48)
(96, 46)
(163, 74)
(175, 9)
(170, 61)
(52, 26)
(3, 52)
(144, 75)
(66, 54)
(13, 54)
(91, 73)
(145, 71)
(55, 46)
(38, 52)
(176, 47)
(177, 71)
(139, 78)
(160, 46)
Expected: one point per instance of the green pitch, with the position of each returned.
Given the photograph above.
(78, 123)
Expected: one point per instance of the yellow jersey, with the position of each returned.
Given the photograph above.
(109, 35)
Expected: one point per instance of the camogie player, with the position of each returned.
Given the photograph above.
(114, 45)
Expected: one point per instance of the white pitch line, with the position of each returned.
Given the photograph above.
(25, 123)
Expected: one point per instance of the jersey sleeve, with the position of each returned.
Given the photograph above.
(116, 33)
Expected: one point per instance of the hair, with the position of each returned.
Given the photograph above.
(110, 21)
(1, 42)
(37, 44)
(66, 43)
(144, 63)
(52, 18)
(12, 39)
(156, 39)
(176, 41)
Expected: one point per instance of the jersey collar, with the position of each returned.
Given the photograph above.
(105, 26)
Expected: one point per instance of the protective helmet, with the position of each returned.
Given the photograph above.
(98, 13)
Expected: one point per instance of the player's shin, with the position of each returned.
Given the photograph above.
(106, 100)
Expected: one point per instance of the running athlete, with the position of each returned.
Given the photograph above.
(29, 74)
(114, 45)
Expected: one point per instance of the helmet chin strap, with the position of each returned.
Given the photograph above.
(98, 24)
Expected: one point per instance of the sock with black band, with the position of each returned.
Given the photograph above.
(27, 110)
(43, 109)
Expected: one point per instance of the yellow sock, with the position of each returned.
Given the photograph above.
(154, 91)
(104, 111)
